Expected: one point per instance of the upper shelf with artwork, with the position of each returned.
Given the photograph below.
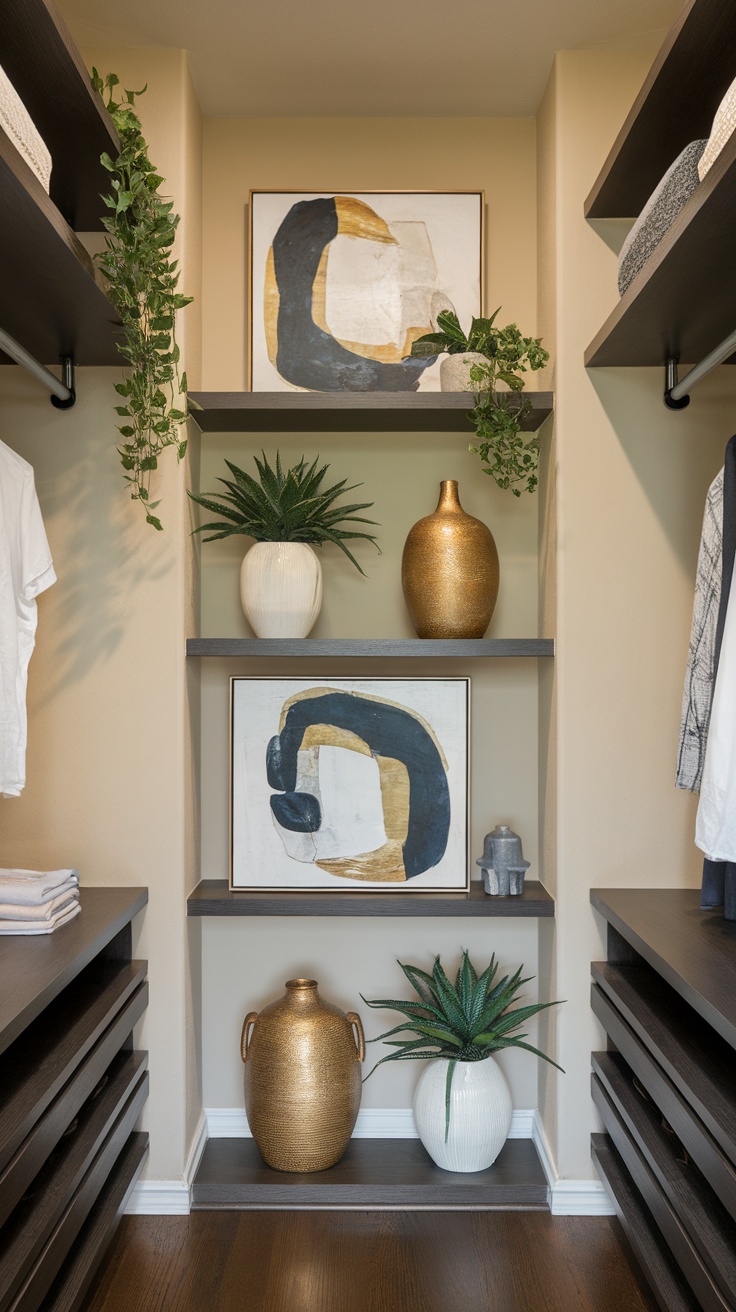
(676, 273)
(357, 412)
(52, 299)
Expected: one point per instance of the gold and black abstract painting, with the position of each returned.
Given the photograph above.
(344, 784)
(342, 284)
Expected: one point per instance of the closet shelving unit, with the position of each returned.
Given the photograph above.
(682, 302)
(375, 1172)
(52, 297)
(664, 1088)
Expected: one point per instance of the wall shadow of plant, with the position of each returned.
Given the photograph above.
(102, 554)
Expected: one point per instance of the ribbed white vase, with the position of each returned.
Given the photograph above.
(480, 1114)
(281, 589)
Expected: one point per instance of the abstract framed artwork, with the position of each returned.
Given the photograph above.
(341, 283)
(349, 784)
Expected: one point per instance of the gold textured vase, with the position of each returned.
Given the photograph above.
(302, 1078)
(449, 571)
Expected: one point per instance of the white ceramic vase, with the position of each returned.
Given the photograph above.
(480, 1114)
(281, 589)
(455, 371)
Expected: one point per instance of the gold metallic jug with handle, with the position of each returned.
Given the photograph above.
(302, 1078)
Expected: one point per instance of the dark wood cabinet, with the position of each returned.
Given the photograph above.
(665, 1089)
(72, 1088)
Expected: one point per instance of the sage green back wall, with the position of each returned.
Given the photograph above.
(245, 964)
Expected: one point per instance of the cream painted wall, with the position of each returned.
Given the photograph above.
(630, 485)
(245, 965)
(110, 761)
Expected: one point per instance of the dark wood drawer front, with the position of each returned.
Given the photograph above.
(697, 1060)
(46, 1133)
(709, 1296)
(34, 1070)
(643, 1233)
(709, 1225)
(41, 1211)
(76, 1275)
(702, 1147)
(77, 1206)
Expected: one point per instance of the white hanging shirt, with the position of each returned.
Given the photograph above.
(26, 568)
(715, 827)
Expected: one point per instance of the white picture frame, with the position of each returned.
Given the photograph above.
(341, 283)
(356, 784)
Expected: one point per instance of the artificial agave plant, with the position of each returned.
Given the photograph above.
(284, 506)
(467, 1021)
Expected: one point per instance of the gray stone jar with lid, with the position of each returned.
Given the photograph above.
(502, 863)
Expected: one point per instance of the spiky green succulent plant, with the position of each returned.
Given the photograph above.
(284, 506)
(465, 1022)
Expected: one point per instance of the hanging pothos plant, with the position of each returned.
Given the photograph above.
(143, 278)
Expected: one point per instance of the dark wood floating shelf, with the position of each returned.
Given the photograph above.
(51, 298)
(213, 897)
(373, 1174)
(355, 412)
(364, 647)
(48, 72)
(664, 1089)
(35, 972)
(682, 301)
(675, 106)
(693, 950)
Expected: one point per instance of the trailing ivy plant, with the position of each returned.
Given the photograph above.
(497, 416)
(143, 278)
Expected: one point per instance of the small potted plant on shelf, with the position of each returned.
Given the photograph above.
(478, 361)
(286, 512)
(462, 1103)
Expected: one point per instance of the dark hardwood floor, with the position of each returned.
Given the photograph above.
(369, 1262)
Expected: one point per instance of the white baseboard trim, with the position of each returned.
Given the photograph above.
(372, 1123)
(159, 1198)
(569, 1197)
(169, 1197)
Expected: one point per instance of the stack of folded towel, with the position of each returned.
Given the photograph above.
(37, 901)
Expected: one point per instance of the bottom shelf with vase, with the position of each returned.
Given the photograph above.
(374, 1174)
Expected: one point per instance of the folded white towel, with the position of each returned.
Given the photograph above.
(41, 926)
(47, 910)
(20, 896)
(34, 888)
(23, 132)
(17, 872)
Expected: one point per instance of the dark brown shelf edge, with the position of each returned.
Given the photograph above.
(74, 950)
(46, 68)
(689, 992)
(364, 647)
(649, 1247)
(422, 412)
(657, 273)
(375, 1173)
(675, 106)
(214, 897)
(80, 1267)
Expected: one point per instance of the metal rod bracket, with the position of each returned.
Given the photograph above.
(67, 377)
(670, 381)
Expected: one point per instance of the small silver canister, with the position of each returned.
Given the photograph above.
(502, 863)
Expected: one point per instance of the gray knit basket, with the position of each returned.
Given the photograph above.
(659, 213)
